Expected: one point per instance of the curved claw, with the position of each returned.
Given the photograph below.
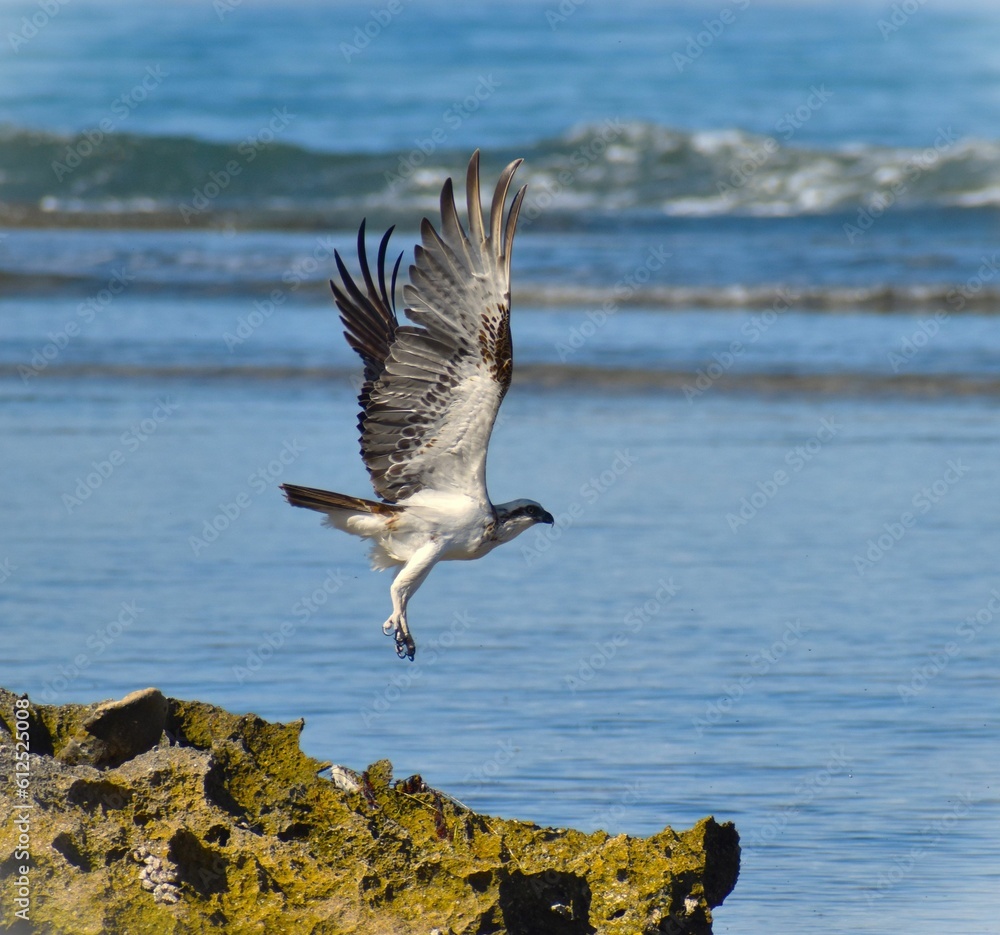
(400, 632)
(405, 647)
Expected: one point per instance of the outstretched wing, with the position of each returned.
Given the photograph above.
(432, 389)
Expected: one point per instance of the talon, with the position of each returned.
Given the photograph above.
(396, 628)
(405, 647)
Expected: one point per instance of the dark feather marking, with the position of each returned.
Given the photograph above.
(412, 371)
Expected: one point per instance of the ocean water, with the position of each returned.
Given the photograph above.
(758, 365)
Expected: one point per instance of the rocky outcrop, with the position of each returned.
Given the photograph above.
(154, 815)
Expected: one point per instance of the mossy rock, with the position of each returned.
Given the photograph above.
(224, 825)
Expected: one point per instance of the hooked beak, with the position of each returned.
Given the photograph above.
(547, 518)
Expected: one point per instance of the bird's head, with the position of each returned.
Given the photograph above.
(517, 515)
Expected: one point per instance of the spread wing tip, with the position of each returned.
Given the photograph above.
(368, 316)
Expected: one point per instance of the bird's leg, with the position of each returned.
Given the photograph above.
(408, 579)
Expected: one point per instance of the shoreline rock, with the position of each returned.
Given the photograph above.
(155, 815)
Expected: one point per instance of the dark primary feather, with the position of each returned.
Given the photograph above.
(432, 389)
(370, 316)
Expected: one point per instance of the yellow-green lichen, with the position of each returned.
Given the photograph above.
(250, 837)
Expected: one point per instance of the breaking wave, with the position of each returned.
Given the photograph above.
(615, 166)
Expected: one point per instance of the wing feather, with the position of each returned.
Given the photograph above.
(433, 388)
(451, 226)
(370, 319)
(473, 201)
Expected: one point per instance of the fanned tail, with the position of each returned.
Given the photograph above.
(326, 501)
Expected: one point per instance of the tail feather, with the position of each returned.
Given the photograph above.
(324, 501)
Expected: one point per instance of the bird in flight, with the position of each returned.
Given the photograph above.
(431, 393)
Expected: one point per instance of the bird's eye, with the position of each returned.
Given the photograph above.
(533, 511)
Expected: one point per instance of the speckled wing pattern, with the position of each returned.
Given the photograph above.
(433, 388)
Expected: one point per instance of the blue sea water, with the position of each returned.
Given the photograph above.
(758, 365)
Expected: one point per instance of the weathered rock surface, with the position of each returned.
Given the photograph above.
(151, 816)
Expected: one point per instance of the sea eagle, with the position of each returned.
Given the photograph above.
(430, 397)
